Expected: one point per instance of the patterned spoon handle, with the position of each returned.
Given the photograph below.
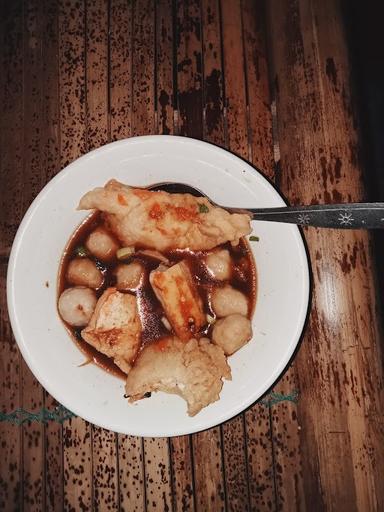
(347, 216)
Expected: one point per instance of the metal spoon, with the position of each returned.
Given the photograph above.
(345, 215)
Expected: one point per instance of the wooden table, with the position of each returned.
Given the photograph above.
(271, 82)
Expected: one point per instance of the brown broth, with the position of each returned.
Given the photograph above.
(151, 312)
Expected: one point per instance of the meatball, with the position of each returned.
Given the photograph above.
(219, 264)
(128, 276)
(101, 244)
(232, 332)
(84, 272)
(76, 305)
(228, 301)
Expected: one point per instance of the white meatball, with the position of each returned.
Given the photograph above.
(101, 244)
(84, 272)
(228, 301)
(219, 264)
(231, 333)
(76, 305)
(128, 275)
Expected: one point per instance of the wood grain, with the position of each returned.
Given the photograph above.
(213, 91)
(120, 65)
(182, 474)
(235, 88)
(338, 365)
(131, 473)
(143, 106)
(164, 67)
(11, 122)
(189, 67)
(257, 86)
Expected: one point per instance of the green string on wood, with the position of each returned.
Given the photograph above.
(275, 398)
(20, 415)
(60, 413)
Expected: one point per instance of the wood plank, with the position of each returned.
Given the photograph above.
(208, 471)
(72, 80)
(77, 437)
(182, 474)
(131, 474)
(32, 391)
(164, 67)
(120, 65)
(257, 82)
(11, 122)
(96, 58)
(234, 79)
(11, 454)
(157, 474)
(143, 105)
(104, 442)
(189, 68)
(234, 440)
(339, 371)
(213, 93)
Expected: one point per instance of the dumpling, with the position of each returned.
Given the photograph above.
(193, 370)
(162, 221)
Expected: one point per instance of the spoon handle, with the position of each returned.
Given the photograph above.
(348, 216)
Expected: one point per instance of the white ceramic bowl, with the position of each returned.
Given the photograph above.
(88, 391)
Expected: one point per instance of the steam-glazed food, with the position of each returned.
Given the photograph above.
(159, 289)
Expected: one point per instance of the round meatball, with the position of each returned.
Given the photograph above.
(101, 244)
(128, 276)
(76, 305)
(228, 301)
(84, 272)
(232, 332)
(219, 264)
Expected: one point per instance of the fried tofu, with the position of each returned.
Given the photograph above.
(162, 221)
(177, 293)
(192, 370)
(115, 328)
